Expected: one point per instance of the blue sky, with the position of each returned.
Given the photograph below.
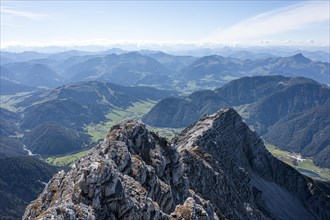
(44, 23)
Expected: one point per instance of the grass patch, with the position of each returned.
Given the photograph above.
(242, 110)
(67, 159)
(209, 78)
(8, 101)
(307, 167)
(136, 111)
(17, 135)
(168, 133)
(229, 77)
(191, 86)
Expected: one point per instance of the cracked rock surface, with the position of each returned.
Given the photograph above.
(216, 168)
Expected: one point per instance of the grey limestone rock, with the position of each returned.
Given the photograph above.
(216, 168)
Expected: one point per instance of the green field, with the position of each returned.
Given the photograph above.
(8, 101)
(190, 87)
(67, 159)
(306, 167)
(136, 111)
(99, 131)
(168, 133)
(241, 110)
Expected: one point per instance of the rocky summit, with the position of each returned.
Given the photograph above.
(216, 168)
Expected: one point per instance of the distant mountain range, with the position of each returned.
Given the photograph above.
(269, 104)
(150, 68)
(256, 53)
(215, 70)
(74, 105)
(53, 121)
(125, 69)
(314, 53)
(62, 93)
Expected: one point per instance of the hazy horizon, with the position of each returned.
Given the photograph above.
(183, 25)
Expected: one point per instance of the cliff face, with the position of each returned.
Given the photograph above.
(215, 169)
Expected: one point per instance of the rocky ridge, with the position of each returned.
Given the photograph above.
(215, 169)
(267, 104)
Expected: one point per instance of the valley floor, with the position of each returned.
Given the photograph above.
(304, 165)
(99, 131)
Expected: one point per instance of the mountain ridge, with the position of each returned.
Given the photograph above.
(55, 121)
(262, 100)
(158, 69)
(217, 168)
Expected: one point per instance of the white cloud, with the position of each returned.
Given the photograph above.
(90, 42)
(7, 12)
(274, 22)
(156, 44)
(258, 30)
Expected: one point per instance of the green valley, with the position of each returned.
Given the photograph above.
(136, 110)
(306, 166)
(66, 160)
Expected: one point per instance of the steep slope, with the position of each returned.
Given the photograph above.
(8, 121)
(5, 73)
(75, 105)
(242, 91)
(8, 84)
(54, 121)
(217, 168)
(54, 139)
(307, 133)
(177, 112)
(10, 87)
(21, 180)
(11, 147)
(264, 101)
(41, 75)
(18, 69)
(293, 99)
(34, 74)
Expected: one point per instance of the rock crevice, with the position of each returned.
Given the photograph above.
(215, 169)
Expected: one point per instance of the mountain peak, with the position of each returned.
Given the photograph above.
(300, 58)
(224, 135)
(205, 125)
(217, 168)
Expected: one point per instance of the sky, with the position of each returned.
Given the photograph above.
(254, 23)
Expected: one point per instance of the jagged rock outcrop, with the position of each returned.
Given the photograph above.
(215, 169)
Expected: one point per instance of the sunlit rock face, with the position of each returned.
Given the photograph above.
(216, 168)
